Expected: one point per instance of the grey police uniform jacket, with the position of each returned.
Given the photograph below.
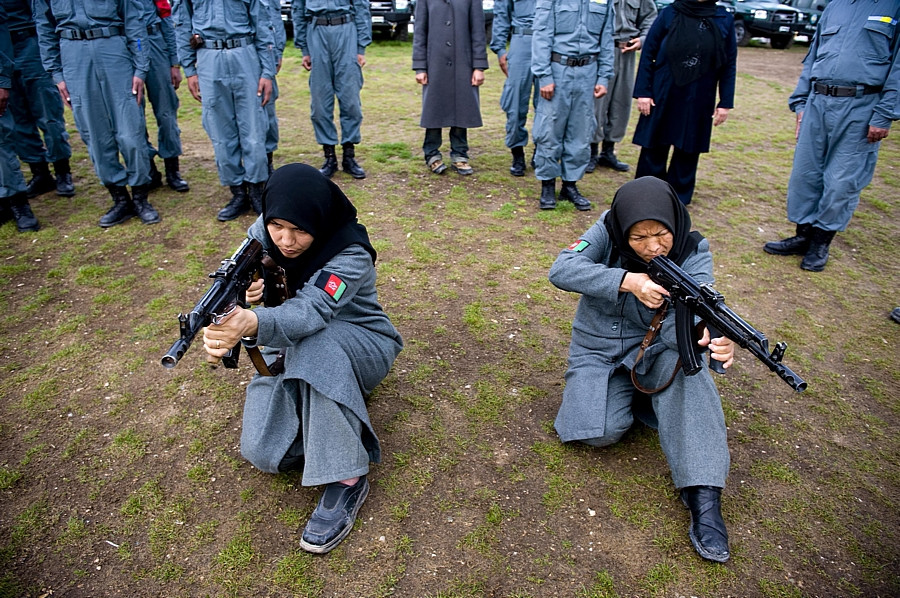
(608, 329)
(341, 343)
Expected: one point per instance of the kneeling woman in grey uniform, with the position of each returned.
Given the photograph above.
(607, 266)
(337, 342)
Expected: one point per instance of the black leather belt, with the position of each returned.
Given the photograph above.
(573, 60)
(227, 44)
(331, 20)
(522, 30)
(24, 33)
(151, 29)
(845, 91)
(87, 34)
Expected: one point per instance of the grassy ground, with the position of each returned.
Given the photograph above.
(120, 478)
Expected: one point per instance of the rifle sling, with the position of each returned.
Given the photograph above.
(648, 338)
(260, 363)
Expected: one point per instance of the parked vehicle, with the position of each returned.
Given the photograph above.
(767, 18)
(392, 16)
(812, 9)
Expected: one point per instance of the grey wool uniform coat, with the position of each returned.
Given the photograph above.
(341, 344)
(449, 44)
(606, 334)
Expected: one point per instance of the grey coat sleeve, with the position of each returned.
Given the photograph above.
(584, 270)
(312, 308)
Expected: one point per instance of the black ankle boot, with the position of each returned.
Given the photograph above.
(255, 194)
(796, 245)
(173, 176)
(64, 185)
(142, 207)
(41, 182)
(238, 205)
(607, 158)
(817, 255)
(122, 208)
(22, 214)
(570, 191)
(348, 162)
(548, 194)
(156, 178)
(518, 161)
(329, 166)
(592, 162)
(707, 531)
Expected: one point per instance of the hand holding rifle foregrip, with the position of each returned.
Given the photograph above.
(692, 298)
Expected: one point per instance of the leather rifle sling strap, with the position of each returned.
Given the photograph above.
(648, 338)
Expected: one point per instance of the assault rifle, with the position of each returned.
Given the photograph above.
(228, 290)
(692, 298)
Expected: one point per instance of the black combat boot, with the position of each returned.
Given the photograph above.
(348, 162)
(41, 182)
(270, 162)
(64, 185)
(156, 178)
(607, 157)
(592, 163)
(173, 176)
(330, 165)
(817, 255)
(570, 191)
(518, 161)
(145, 211)
(238, 205)
(255, 193)
(548, 194)
(707, 531)
(21, 212)
(796, 245)
(122, 208)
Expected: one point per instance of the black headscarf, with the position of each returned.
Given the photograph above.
(694, 43)
(649, 198)
(301, 195)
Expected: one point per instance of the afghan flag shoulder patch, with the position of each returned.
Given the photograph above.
(579, 245)
(332, 284)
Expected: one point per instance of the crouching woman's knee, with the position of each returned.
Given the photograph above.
(611, 435)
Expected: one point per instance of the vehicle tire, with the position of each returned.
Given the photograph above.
(401, 32)
(781, 42)
(741, 35)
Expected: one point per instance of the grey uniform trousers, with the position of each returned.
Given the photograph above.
(613, 110)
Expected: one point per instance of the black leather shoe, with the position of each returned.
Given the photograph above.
(122, 208)
(42, 181)
(518, 162)
(330, 165)
(173, 177)
(156, 178)
(548, 194)
(22, 214)
(238, 205)
(334, 516)
(817, 255)
(608, 159)
(142, 207)
(796, 245)
(895, 314)
(349, 164)
(592, 162)
(64, 185)
(255, 195)
(707, 531)
(570, 192)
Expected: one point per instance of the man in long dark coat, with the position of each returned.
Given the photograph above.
(449, 57)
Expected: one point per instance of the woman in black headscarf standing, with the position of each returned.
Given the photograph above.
(607, 378)
(690, 53)
(337, 345)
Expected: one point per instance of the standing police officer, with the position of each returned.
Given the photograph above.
(227, 51)
(273, 10)
(12, 183)
(633, 20)
(333, 35)
(35, 104)
(163, 78)
(512, 21)
(572, 59)
(96, 52)
(846, 98)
